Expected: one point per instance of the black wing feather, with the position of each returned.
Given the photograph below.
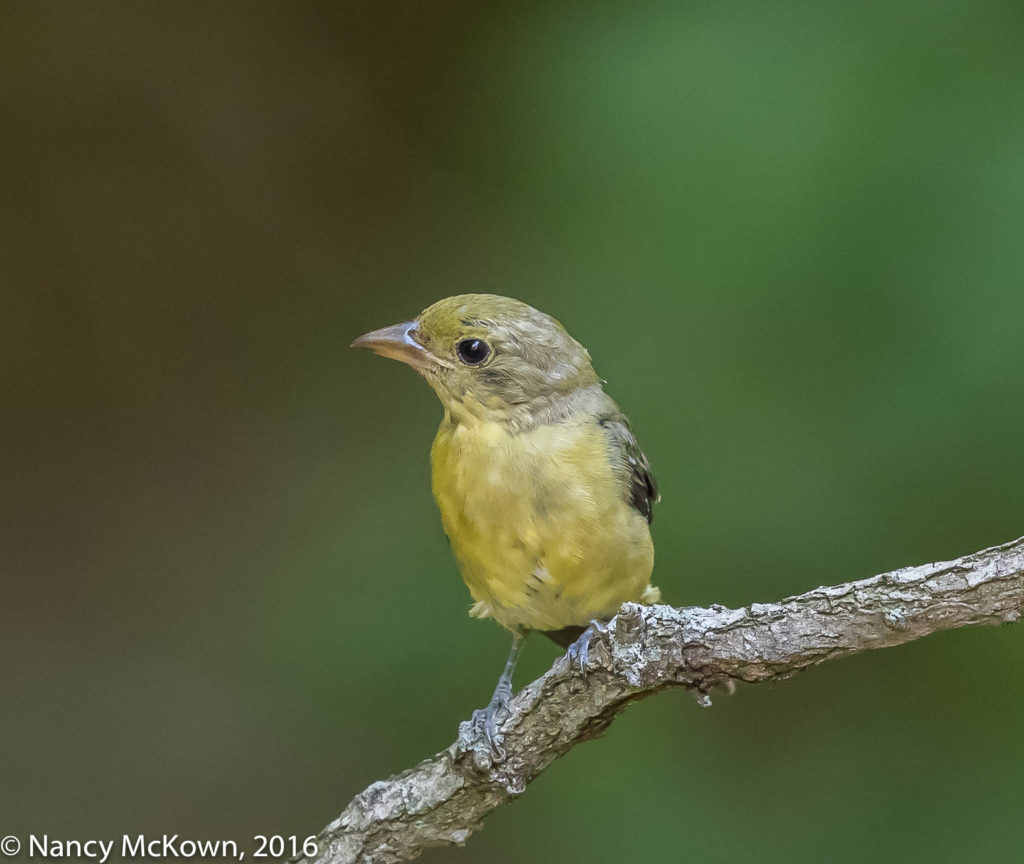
(643, 488)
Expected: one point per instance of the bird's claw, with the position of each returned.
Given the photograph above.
(579, 651)
(485, 720)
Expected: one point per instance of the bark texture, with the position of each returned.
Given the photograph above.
(444, 799)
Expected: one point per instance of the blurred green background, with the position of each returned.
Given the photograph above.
(792, 237)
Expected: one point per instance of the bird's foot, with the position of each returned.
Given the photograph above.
(485, 720)
(579, 651)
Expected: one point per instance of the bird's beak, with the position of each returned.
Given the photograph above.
(397, 342)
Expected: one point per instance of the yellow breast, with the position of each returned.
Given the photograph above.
(539, 522)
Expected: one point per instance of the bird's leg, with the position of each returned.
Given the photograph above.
(486, 718)
(579, 652)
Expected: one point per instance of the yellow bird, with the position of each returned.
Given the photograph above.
(543, 490)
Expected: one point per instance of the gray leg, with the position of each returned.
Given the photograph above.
(486, 718)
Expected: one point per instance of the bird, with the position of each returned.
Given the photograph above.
(544, 492)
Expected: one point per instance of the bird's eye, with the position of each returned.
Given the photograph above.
(473, 352)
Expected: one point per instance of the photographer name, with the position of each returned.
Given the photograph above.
(139, 846)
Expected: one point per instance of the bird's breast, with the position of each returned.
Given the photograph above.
(538, 521)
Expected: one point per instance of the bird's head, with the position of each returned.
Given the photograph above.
(488, 356)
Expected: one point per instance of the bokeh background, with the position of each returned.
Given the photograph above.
(792, 236)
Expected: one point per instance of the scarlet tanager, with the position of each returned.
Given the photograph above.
(543, 490)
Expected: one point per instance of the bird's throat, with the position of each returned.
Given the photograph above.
(522, 417)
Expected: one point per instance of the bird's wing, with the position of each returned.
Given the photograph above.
(643, 488)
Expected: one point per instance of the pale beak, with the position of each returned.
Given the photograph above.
(397, 342)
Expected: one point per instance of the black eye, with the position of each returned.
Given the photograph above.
(473, 352)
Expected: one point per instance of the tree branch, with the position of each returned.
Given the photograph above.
(646, 649)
